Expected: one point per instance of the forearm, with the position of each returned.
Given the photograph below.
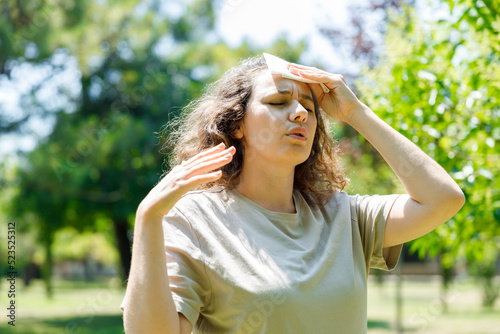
(149, 307)
(425, 181)
(434, 197)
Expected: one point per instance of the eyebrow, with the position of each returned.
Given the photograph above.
(288, 92)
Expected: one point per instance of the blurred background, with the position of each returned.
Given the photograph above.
(86, 87)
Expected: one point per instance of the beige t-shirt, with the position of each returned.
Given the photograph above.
(235, 267)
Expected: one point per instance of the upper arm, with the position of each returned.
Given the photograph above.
(409, 219)
(185, 325)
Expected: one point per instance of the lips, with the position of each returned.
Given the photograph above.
(298, 131)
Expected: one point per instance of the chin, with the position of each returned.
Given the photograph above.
(301, 162)
(298, 159)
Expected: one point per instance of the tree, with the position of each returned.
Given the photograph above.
(29, 34)
(138, 66)
(437, 83)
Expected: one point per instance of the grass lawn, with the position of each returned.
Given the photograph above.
(77, 308)
(84, 308)
(422, 308)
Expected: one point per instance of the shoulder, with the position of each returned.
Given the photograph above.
(194, 212)
(201, 198)
(368, 201)
(201, 205)
(337, 207)
(338, 198)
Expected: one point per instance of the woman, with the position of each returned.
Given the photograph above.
(269, 242)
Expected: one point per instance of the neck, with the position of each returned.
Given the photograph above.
(269, 186)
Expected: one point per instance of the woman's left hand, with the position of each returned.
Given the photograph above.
(340, 102)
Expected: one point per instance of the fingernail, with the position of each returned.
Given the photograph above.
(220, 145)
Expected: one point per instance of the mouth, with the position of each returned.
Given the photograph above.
(298, 132)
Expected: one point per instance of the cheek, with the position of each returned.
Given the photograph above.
(261, 135)
(261, 131)
(313, 126)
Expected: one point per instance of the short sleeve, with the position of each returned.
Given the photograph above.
(189, 282)
(186, 270)
(370, 214)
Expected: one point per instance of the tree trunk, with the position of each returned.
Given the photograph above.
(446, 281)
(124, 246)
(399, 294)
(47, 267)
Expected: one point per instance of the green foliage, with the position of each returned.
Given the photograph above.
(485, 271)
(437, 83)
(35, 24)
(91, 324)
(71, 245)
(138, 66)
(77, 307)
(481, 15)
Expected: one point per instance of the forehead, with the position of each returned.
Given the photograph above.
(267, 83)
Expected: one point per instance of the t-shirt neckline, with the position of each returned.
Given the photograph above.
(273, 215)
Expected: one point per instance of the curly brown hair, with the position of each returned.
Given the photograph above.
(213, 118)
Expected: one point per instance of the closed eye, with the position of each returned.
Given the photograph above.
(306, 107)
(283, 103)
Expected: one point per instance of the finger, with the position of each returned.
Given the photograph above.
(332, 81)
(310, 72)
(319, 76)
(198, 180)
(296, 70)
(180, 171)
(209, 165)
(209, 157)
(181, 175)
(206, 155)
(316, 75)
(215, 149)
(203, 165)
(293, 66)
(183, 186)
(316, 89)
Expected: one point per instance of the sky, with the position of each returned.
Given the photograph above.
(259, 21)
(262, 21)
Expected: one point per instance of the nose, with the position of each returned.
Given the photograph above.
(298, 113)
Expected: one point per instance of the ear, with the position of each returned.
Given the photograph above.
(238, 132)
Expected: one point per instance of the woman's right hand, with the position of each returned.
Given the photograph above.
(184, 177)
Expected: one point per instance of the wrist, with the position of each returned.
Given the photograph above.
(147, 213)
(359, 115)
